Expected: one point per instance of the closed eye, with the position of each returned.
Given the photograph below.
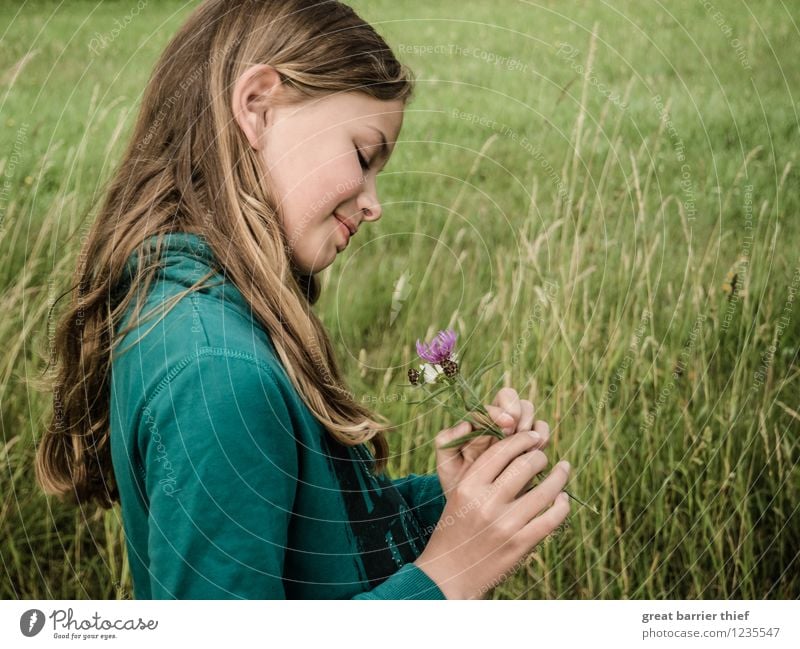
(364, 164)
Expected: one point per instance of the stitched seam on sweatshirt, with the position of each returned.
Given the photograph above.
(207, 351)
(184, 363)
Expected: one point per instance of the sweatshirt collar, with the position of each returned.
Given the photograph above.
(186, 244)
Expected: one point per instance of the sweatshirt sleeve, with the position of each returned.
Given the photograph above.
(410, 582)
(425, 496)
(221, 471)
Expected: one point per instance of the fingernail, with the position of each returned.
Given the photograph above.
(536, 436)
(564, 465)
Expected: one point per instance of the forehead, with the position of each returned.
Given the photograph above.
(359, 109)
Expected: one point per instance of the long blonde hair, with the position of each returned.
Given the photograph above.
(187, 169)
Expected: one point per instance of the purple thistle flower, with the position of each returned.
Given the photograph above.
(439, 349)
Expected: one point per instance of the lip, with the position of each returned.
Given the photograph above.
(352, 228)
(345, 229)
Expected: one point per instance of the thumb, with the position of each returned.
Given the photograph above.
(505, 420)
(448, 435)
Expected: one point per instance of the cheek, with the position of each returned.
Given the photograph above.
(334, 180)
(309, 184)
(289, 183)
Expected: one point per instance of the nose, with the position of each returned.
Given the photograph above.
(368, 204)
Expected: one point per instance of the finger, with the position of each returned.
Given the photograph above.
(504, 419)
(445, 455)
(498, 456)
(508, 400)
(534, 531)
(526, 420)
(473, 449)
(520, 472)
(543, 428)
(538, 498)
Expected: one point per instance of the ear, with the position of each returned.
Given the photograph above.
(253, 95)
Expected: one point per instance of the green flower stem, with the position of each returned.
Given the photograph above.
(536, 482)
(459, 381)
(580, 502)
(434, 395)
(469, 389)
(475, 433)
(463, 400)
(483, 431)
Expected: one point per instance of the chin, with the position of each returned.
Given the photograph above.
(316, 265)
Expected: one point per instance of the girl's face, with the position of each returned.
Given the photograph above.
(323, 158)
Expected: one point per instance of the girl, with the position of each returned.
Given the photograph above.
(224, 427)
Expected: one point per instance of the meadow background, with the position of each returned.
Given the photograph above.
(603, 196)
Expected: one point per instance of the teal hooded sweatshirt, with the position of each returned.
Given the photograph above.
(229, 486)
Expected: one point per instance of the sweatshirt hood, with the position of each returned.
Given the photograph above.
(185, 258)
(175, 247)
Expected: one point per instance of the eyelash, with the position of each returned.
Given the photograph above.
(364, 164)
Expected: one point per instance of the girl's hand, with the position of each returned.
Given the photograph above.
(488, 524)
(509, 412)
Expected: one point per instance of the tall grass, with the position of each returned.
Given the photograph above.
(654, 324)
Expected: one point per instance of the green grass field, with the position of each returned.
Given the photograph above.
(576, 190)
